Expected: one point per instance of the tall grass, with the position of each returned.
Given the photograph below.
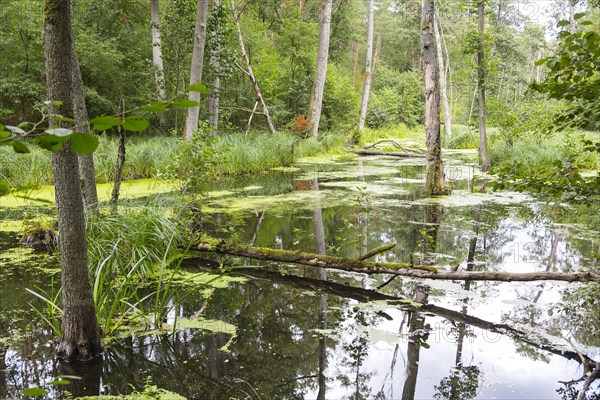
(152, 157)
(400, 131)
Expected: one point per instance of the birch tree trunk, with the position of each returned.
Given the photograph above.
(213, 97)
(191, 121)
(435, 182)
(316, 97)
(249, 71)
(484, 157)
(87, 170)
(368, 66)
(80, 339)
(157, 59)
(443, 82)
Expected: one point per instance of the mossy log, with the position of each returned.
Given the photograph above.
(402, 269)
(386, 153)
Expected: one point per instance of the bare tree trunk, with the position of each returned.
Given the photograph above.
(572, 22)
(316, 97)
(249, 71)
(87, 170)
(213, 97)
(354, 69)
(191, 121)
(443, 84)
(157, 59)
(483, 150)
(377, 54)
(435, 182)
(368, 71)
(80, 339)
(120, 163)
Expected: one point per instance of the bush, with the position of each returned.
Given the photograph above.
(397, 97)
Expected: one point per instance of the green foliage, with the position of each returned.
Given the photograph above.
(340, 99)
(574, 76)
(195, 160)
(396, 98)
(557, 177)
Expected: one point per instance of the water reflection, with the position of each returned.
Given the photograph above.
(305, 333)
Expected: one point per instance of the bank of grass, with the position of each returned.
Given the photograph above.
(528, 150)
(155, 156)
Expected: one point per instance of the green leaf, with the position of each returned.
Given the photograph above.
(84, 143)
(562, 23)
(4, 134)
(34, 392)
(185, 103)
(59, 132)
(20, 147)
(198, 87)
(105, 122)
(156, 106)
(15, 129)
(55, 103)
(136, 123)
(59, 382)
(579, 15)
(50, 142)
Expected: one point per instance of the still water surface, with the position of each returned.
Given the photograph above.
(302, 339)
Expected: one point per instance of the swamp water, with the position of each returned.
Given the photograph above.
(270, 335)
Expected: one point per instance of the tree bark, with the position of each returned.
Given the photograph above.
(191, 121)
(316, 97)
(483, 150)
(213, 97)
(87, 170)
(435, 182)
(120, 163)
(80, 339)
(249, 71)
(401, 269)
(157, 59)
(443, 81)
(368, 68)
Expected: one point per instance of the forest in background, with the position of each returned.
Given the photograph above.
(115, 54)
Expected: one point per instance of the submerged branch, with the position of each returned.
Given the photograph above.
(365, 295)
(402, 269)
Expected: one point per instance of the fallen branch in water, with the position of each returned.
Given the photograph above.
(402, 269)
(365, 295)
(386, 153)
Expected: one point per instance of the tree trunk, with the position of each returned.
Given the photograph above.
(87, 170)
(191, 121)
(120, 163)
(483, 150)
(80, 339)
(377, 54)
(354, 69)
(435, 182)
(157, 59)
(572, 22)
(368, 71)
(249, 71)
(213, 97)
(443, 83)
(316, 97)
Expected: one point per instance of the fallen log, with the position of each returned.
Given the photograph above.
(402, 269)
(386, 153)
(366, 295)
